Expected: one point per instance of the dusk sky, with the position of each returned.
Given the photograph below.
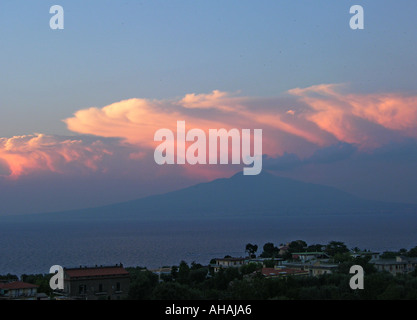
(80, 106)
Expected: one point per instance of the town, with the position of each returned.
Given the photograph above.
(293, 270)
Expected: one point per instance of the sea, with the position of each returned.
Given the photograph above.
(32, 247)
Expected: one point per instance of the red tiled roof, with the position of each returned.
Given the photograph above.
(17, 285)
(281, 271)
(96, 272)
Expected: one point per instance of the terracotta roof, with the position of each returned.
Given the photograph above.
(17, 285)
(271, 272)
(95, 272)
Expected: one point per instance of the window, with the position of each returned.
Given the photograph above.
(100, 287)
(82, 289)
(118, 286)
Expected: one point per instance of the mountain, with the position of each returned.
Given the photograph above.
(237, 196)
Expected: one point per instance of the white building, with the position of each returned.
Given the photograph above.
(399, 265)
(228, 262)
(18, 290)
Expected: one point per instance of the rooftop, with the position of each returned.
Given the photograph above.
(117, 270)
(397, 260)
(15, 285)
(272, 272)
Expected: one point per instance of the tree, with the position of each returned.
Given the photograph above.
(297, 246)
(249, 289)
(334, 247)
(175, 291)
(375, 285)
(389, 255)
(402, 252)
(345, 264)
(223, 277)
(251, 249)
(197, 275)
(342, 257)
(196, 266)
(269, 250)
(174, 272)
(143, 282)
(183, 272)
(269, 263)
(9, 277)
(412, 252)
(315, 248)
(250, 268)
(392, 292)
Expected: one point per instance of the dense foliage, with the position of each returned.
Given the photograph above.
(233, 283)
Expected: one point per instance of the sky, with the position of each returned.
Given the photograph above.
(80, 106)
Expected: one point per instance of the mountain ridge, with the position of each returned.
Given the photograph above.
(236, 196)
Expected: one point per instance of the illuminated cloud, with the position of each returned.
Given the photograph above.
(368, 120)
(299, 123)
(22, 155)
(136, 120)
(217, 99)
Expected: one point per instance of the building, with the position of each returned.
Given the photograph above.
(18, 290)
(283, 249)
(314, 268)
(399, 265)
(264, 261)
(228, 262)
(363, 254)
(307, 256)
(319, 268)
(94, 283)
(281, 272)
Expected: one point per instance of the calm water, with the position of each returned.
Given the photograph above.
(35, 247)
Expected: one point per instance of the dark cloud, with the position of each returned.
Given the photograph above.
(288, 161)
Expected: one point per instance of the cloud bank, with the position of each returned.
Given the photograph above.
(21, 155)
(301, 123)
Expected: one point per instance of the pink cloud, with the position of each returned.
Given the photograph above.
(368, 120)
(136, 120)
(22, 155)
(300, 122)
